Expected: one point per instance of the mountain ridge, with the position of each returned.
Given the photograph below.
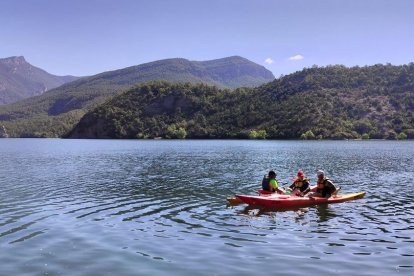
(20, 80)
(77, 97)
(171, 69)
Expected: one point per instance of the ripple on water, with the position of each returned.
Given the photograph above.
(146, 207)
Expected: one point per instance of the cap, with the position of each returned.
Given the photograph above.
(300, 173)
(320, 172)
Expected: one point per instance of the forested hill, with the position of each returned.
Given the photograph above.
(20, 80)
(331, 102)
(55, 112)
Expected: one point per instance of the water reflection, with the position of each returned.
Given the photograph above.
(253, 210)
(324, 212)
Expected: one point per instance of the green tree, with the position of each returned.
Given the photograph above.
(308, 135)
(253, 134)
(261, 134)
(365, 136)
(181, 133)
(402, 136)
(176, 133)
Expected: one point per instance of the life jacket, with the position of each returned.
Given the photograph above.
(301, 185)
(323, 188)
(266, 183)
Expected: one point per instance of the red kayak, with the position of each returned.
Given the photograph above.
(276, 200)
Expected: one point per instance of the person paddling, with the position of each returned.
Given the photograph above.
(300, 186)
(324, 187)
(270, 184)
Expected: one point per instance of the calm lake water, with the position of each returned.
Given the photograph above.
(106, 207)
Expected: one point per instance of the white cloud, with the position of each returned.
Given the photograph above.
(269, 61)
(297, 57)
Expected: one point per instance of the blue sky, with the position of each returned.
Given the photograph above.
(86, 37)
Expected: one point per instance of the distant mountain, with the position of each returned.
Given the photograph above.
(20, 80)
(55, 112)
(333, 102)
(230, 72)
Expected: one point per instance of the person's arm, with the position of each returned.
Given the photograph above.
(336, 190)
(280, 191)
(331, 187)
(307, 190)
(276, 187)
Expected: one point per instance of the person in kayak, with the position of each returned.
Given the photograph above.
(270, 184)
(324, 187)
(300, 186)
